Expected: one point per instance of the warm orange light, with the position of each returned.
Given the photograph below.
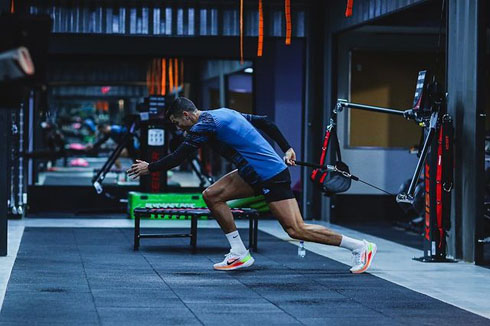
(163, 79)
(287, 11)
(170, 75)
(241, 32)
(348, 10)
(12, 7)
(261, 30)
(182, 73)
(176, 73)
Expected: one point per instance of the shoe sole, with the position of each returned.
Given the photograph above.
(248, 263)
(366, 267)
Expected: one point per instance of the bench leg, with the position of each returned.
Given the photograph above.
(256, 229)
(251, 232)
(136, 232)
(193, 233)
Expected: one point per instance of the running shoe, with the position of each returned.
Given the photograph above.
(233, 261)
(363, 257)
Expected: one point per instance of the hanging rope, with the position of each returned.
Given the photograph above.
(176, 74)
(182, 74)
(348, 10)
(287, 12)
(163, 86)
(170, 75)
(159, 76)
(241, 32)
(261, 30)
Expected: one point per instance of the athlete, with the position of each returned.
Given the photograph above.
(260, 170)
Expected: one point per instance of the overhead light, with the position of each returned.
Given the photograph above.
(249, 70)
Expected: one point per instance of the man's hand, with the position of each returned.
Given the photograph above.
(138, 169)
(290, 157)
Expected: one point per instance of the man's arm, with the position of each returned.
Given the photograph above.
(270, 128)
(174, 159)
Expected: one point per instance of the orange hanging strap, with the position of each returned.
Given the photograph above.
(287, 11)
(159, 76)
(260, 45)
(182, 74)
(348, 10)
(176, 74)
(12, 7)
(163, 78)
(170, 75)
(241, 32)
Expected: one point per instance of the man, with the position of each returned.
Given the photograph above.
(117, 133)
(259, 171)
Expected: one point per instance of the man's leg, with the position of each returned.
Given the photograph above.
(288, 214)
(230, 186)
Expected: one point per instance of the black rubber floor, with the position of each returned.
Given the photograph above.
(81, 276)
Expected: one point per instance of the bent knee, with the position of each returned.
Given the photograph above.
(210, 196)
(295, 232)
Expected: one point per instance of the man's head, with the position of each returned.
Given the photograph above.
(183, 113)
(104, 128)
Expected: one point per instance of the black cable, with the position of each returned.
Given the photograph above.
(386, 192)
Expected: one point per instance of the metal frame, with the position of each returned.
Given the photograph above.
(193, 213)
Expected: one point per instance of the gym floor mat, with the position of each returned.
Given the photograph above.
(91, 276)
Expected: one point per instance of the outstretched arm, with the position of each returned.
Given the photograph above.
(185, 150)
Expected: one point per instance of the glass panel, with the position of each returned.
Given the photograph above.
(231, 22)
(190, 22)
(156, 21)
(299, 24)
(180, 21)
(213, 26)
(145, 18)
(132, 20)
(108, 20)
(251, 23)
(203, 30)
(168, 21)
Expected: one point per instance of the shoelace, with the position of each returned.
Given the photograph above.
(230, 254)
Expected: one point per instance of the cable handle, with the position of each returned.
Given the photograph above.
(330, 168)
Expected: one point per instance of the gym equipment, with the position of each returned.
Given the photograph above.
(193, 214)
(106, 168)
(27, 36)
(193, 199)
(16, 63)
(429, 111)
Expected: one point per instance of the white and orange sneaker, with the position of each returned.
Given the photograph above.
(233, 261)
(363, 257)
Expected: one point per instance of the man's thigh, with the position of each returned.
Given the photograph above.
(230, 186)
(286, 212)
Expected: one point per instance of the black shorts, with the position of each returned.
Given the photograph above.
(276, 188)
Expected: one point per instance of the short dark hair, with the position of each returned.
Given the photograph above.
(178, 106)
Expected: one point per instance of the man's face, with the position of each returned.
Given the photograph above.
(183, 122)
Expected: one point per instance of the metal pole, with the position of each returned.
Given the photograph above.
(4, 184)
(346, 104)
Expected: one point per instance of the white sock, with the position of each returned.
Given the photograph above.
(351, 244)
(236, 243)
